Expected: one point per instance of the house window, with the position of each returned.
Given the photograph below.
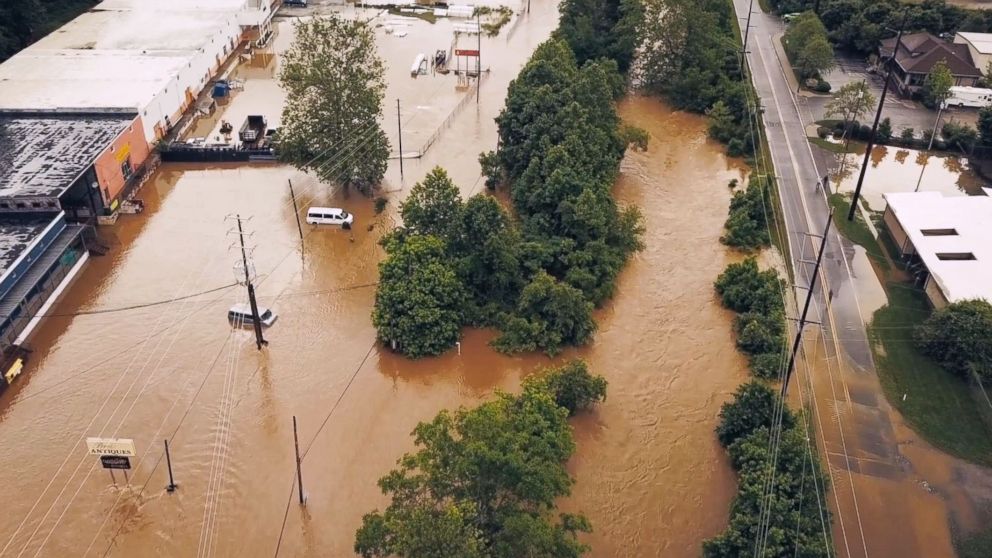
(955, 256)
(126, 168)
(36, 205)
(939, 232)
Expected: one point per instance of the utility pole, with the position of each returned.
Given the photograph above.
(809, 299)
(168, 461)
(933, 135)
(874, 126)
(296, 210)
(747, 26)
(256, 320)
(478, 57)
(299, 469)
(399, 125)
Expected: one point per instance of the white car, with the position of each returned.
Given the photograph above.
(329, 216)
(240, 315)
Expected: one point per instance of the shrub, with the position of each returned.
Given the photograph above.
(759, 333)
(744, 288)
(747, 227)
(885, 130)
(907, 135)
(766, 366)
(957, 337)
(571, 386)
(752, 408)
(550, 314)
(822, 86)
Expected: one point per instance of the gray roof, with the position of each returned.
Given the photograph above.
(16, 233)
(42, 154)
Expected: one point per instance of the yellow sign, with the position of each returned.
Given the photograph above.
(114, 205)
(123, 153)
(15, 370)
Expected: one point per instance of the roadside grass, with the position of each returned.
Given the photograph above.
(857, 232)
(937, 405)
(833, 147)
(765, 6)
(978, 545)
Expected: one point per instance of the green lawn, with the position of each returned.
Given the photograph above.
(857, 232)
(833, 147)
(976, 546)
(938, 404)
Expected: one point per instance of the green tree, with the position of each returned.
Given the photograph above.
(601, 29)
(852, 102)
(433, 207)
(482, 483)
(885, 130)
(488, 250)
(549, 315)
(985, 125)
(753, 407)
(744, 288)
(816, 57)
(747, 224)
(571, 386)
(335, 83)
(937, 85)
(420, 300)
(958, 338)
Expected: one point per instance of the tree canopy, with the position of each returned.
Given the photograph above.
(937, 85)
(420, 302)
(483, 482)
(959, 338)
(335, 83)
(23, 22)
(597, 29)
(807, 45)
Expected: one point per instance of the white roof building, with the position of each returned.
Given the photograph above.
(952, 236)
(980, 45)
(150, 57)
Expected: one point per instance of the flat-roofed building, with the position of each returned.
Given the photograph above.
(148, 57)
(980, 46)
(948, 239)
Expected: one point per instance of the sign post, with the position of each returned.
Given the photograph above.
(115, 453)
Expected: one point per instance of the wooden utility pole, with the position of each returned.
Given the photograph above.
(806, 305)
(299, 468)
(399, 125)
(296, 210)
(478, 57)
(168, 461)
(874, 126)
(256, 320)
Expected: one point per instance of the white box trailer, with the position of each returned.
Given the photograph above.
(962, 96)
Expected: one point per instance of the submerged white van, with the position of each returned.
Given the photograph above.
(240, 315)
(329, 216)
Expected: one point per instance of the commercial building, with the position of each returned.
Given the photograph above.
(146, 57)
(946, 241)
(79, 164)
(980, 47)
(919, 52)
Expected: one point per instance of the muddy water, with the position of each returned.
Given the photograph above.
(650, 474)
(894, 169)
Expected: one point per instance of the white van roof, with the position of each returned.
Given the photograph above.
(243, 308)
(325, 210)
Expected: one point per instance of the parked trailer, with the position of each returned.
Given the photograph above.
(962, 96)
(253, 128)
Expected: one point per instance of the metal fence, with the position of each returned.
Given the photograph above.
(466, 100)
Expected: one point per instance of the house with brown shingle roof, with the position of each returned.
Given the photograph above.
(919, 52)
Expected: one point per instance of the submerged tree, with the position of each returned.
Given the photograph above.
(482, 484)
(335, 83)
(420, 301)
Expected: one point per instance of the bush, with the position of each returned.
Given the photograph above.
(380, 204)
(957, 338)
(822, 86)
(962, 136)
(549, 315)
(760, 333)
(747, 226)
(752, 408)
(571, 386)
(885, 130)
(767, 366)
(824, 132)
(907, 135)
(744, 288)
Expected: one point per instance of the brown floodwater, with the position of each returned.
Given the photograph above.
(650, 475)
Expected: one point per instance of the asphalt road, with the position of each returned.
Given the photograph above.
(853, 427)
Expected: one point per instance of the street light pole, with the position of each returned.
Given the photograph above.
(874, 126)
(747, 25)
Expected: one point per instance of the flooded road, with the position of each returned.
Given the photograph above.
(650, 474)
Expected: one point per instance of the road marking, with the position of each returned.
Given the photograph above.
(809, 222)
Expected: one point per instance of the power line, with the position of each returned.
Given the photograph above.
(130, 307)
